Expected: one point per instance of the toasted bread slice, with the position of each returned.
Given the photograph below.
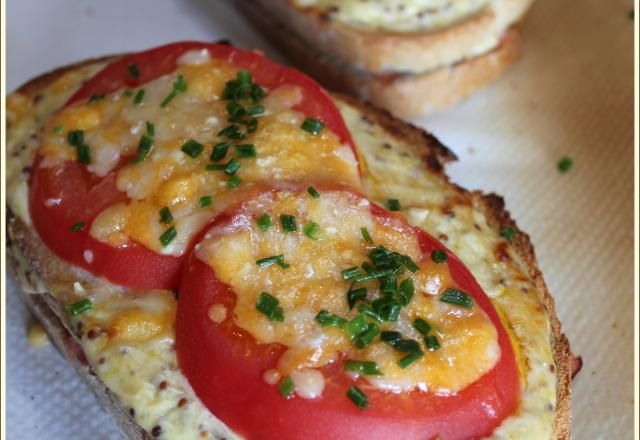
(38, 269)
(406, 95)
(378, 51)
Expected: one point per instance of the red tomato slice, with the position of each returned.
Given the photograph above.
(62, 196)
(225, 365)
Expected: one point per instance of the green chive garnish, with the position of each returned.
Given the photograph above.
(264, 222)
(266, 262)
(355, 326)
(406, 290)
(312, 230)
(432, 342)
(192, 148)
(354, 295)
(422, 326)
(151, 129)
(133, 70)
(75, 137)
(288, 223)
(409, 359)
(457, 297)
(246, 150)
(326, 319)
(144, 148)
(312, 191)
(508, 233)
(439, 256)
(78, 226)
(364, 338)
(79, 307)
(366, 368)
(179, 86)
(232, 167)
(220, 151)
(137, 99)
(235, 109)
(255, 110)
(358, 397)
(165, 215)
(312, 126)
(232, 132)
(83, 154)
(168, 236)
(205, 201)
(350, 273)
(286, 387)
(366, 235)
(268, 305)
(393, 204)
(564, 164)
(234, 181)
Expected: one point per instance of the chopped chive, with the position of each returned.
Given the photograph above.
(192, 148)
(457, 297)
(312, 126)
(388, 285)
(408, 263)
(439, 256)
(366, 235)
(366, 368)
(508, 233)
(312, 230)
(390, 336)
(252, 125)
(432, 342)
(58, 129)
(246, 150)
(179, 86)
(144, 148)
(409, 359)
(312, 191)
(288, 223)
(355, 326)
(165, 215)
(205, 201)
(264, 222)
(406, 291)
(374, 275)
(220, 151)
(358, 397)
(79, 307)
(75, 137)
(350, 273)
(83, 154)
(393, 204)
(268, 305)
(151, 129)
(232, 132)
(235, 109)
(215, 167)
(366, 310)
(266, 262)
(354, 295)
(564, 164)
(133, 70)
(422, 326)
(96, 97)
(234, 181)
(286, 387)
(255, 110)
(168, 236)
(326, 319)
(231, 167)
(137, 99)
(77, 226)
(364, 338)
(283, 265)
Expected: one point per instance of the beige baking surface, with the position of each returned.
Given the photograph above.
(571, 94)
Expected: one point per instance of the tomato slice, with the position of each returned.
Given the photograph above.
(65, 195)
(225, 365)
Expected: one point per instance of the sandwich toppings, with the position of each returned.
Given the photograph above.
(345, 320)
(211, 124)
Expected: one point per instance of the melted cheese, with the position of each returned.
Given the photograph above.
(134, 371)
(313, 282)
(395, 15)
(170, 178)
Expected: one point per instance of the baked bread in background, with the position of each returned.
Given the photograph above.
(411, 57)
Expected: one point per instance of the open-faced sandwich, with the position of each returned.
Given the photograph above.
(224, 250)
(409, 56)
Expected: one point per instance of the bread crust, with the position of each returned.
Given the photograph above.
(405, 95)
(381, 52)
(23, 242)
